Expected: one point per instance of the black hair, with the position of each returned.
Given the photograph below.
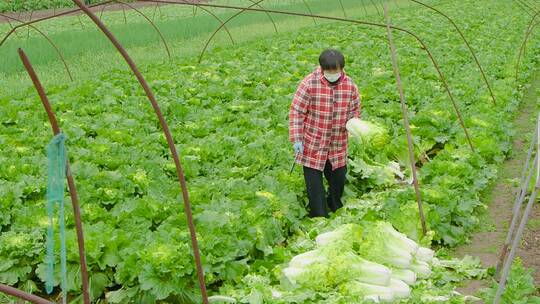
(331, 59)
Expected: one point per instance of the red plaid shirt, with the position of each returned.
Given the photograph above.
(317, 118)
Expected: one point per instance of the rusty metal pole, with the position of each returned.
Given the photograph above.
(466, 43)
(23, 295)
(405, 114)
(170, 142)
(71, 181)
(521, 52)
(151, 23)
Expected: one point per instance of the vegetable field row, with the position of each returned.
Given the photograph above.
(229, 120)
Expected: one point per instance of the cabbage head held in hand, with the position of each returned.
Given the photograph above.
(368, 132)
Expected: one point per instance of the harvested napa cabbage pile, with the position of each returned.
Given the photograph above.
(375, 263)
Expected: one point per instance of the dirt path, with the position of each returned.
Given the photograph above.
(27, 16)
(530, 247)
(487, 242)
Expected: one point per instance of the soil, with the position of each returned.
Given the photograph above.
(486, 243)
(32, 15)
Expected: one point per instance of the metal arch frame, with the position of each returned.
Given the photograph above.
(43, 19)
(522, 49)
(528, 5)
(151, 23)
(196, 6)
(11, 26)
(156, 8)
(420, 41)
(29, 19)
(473, 54)
(44, 36)
(343, 9)
(223, 24)
(524, 7)
(376, 7)
(124, 13)
(310, 11)
(102, 10)
(267, 13)
(122, 4)
(104, 3)
(364, 6)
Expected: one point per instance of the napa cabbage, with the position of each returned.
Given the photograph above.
(384, 245)
(349, 266)
(363, 291)
(346, 235)
(405, 275)
(368, 132)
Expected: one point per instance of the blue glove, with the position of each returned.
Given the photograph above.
(298, 147)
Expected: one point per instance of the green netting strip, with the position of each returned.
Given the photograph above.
(56, 154)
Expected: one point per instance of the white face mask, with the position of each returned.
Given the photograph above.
(332, 77)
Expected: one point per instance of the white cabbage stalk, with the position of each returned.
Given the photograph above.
(406, 243)
(401, 289)
(363, 290)
(397, 257)
(369, 133)
(307, 258)
(384, 245)
(424, 254)
(276, 294)
(346, 234)
(326, 238)
(221, 299)
(396, 169)
(308, 268)
(294, 273)
(359, 128)
(405, 275)
(349, 266)
(371, 273)
(372, 299)
(421, 269)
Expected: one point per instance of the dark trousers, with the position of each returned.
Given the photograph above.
(316, 192)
